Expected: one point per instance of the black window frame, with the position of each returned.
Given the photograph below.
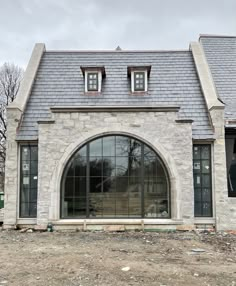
(201, 187)
(88, 182)
(94, 81)
(230, 135)
(137, 85)
(32, 212)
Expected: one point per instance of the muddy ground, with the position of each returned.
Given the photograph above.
(97, 258)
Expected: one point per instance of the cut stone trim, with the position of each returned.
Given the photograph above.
(46, 121)
(63, 109)
(205, 77)
(184, 121)
(29, 76)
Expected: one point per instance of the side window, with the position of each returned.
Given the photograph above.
(28, 181)
(230, 145)
(202, 180)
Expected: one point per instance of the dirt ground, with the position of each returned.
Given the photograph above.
(97, 258)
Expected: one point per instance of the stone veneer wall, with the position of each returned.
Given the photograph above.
(11, 169)
(58, 141)
(225, 207)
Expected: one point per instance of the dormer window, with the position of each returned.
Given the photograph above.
(139, 78)
(93, 79)
(139, 81)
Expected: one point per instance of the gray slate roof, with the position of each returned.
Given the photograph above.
(221, 56)
(173, 81)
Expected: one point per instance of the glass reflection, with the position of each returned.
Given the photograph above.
(110, 176)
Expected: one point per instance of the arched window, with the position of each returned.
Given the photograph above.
(115, 176)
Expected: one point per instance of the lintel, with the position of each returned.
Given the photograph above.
(69, 109)
(184, 121)
(46, 121)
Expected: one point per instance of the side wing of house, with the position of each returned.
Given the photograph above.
(220, 52)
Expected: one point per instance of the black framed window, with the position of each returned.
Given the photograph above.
(28, 181)
(139, 81)
(92, 81)
(115, 177)
(230, 145)
(202, 180)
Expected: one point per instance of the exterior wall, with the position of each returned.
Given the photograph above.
(11, 169)
(60, 139)
(225, 207)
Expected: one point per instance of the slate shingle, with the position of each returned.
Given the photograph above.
(221, 56)
(173, 81)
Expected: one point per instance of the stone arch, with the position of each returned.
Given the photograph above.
(55, 185)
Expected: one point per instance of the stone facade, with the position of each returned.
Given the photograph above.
(58, 140)
(11, 169)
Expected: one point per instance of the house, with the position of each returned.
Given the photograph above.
(136, 139)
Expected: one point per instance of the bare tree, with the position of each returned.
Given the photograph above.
(10, 78)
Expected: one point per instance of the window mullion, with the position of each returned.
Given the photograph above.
(142, 180)
(87, 180)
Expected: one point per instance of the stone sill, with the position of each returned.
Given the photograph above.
(118, 222)
(206, 220)
(26, 221)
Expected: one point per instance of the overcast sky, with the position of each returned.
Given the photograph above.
(105, 24)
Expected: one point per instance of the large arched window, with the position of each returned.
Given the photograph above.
(115, 177)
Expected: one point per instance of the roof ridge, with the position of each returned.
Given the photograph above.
(116, 52)
(215, 36)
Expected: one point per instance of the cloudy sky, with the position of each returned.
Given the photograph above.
(105, 24)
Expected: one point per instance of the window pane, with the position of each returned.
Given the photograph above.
(122, 197)
(26, 167)
(33, 195)
(205, 152)
(82, 152)
(34, 153)
(153, 167)
(197, 181)
(79, 207)
(109, 146)
(134, 165)
(206, 209)
(68, 207)
(25, 153)
(80, 187)
(197, 166)
(96, 148)
(205, 166)
(70, 170)
(122, 146)
(206, 183)
(198, 195)
(95, 197)
(148, 152)
(33, 181)
(196, 152)
(34, 167)
(80, 166)
(69, 187)
(206, 195)
(122, 166)
(109, 166)
(95, 165)
(197, 208)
